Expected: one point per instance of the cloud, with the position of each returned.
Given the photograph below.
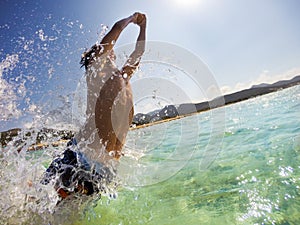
(265, 77)
(8, 97)
(212, 92)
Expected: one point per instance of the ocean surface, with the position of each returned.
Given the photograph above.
(238, 164)
(255, 178)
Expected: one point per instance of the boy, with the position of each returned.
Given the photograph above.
(87, 167)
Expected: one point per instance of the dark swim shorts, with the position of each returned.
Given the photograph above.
(73, 173)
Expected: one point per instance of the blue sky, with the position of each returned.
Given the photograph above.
(243, 42)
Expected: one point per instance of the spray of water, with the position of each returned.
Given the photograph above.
(38, 75)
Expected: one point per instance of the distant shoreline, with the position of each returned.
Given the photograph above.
(168, 113)
(172, 112)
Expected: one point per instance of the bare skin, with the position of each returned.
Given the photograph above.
(109, 95)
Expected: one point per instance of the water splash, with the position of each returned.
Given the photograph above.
(38, 75)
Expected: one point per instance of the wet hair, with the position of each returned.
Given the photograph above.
(89, 55)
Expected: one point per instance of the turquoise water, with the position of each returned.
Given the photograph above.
(239, 164)
(255, 178)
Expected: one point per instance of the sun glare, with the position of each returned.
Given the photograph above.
(188, 3)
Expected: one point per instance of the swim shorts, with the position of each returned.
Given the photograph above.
(74, 173)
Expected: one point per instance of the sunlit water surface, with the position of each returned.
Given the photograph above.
(254, 179)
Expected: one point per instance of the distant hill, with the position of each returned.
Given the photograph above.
(282, 83)
(260, 85)
(172, 111)
(160, 115)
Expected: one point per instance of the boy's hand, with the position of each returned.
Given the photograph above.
(139, 19)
